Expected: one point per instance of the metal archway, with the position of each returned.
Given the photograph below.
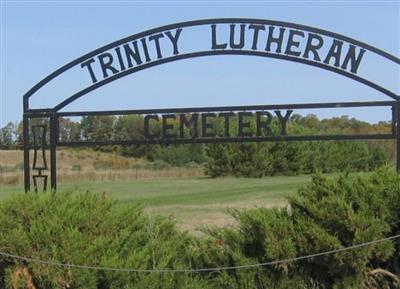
(300, 43)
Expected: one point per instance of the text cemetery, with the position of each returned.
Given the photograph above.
(173, 126)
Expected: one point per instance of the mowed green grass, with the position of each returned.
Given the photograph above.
(192, 202)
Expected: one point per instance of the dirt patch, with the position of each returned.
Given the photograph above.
(196, 224)
(22, 275)
(193, 218)
(222, 206)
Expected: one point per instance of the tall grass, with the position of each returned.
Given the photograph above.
(88, 165)
(129, 174)
(14, 179)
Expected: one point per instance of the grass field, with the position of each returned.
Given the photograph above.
(182, 193)
(192, 201)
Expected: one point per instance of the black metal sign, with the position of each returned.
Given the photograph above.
(255, 38)
(234, 36)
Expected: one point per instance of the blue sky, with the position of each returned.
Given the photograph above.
(39, 37)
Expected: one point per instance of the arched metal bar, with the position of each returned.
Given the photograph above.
(216, 21)
(222, 52)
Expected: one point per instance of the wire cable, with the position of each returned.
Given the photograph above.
(216, 269)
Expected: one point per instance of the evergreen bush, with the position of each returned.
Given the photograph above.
(89, 229)
(325, 215)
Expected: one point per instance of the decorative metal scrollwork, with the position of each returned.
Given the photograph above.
(39, 162)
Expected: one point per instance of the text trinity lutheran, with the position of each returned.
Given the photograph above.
(266, 40)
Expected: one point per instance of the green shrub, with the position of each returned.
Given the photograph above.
(87, 229)
(157, 165)
(325, 215)
(182, 154)
(292, 158)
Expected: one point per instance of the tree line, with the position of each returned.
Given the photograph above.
(239, 159)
